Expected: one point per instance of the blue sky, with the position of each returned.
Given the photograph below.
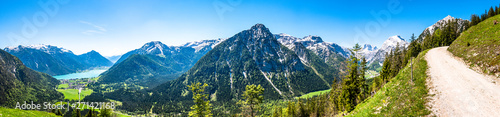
(114, 27)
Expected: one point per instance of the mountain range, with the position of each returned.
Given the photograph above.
(377, 56)
(284, 65)
(460, 23)
(331, 53)
(253, 56)
(19, 83)
(155, 63)
(56, 61)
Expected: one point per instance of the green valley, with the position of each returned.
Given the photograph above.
(72, 94)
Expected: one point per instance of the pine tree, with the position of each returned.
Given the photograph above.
(252, 98)
(491, 12)
(276, 111)
(59, 112)
(76, 113)
(90, 113)
(335, 97)
(356, 49)
(290, 109)
(105, 112)
(474, 20)
(413, 49)
(301, 109)
(202, 107)
(484, 16)
(363, 94)
(350, 88)
(386, 68)
(497, 10)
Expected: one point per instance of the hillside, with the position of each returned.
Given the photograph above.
(142, 70)
(94, 59)
(6, 112)
(54, 60)
(152, 64)
(479, 46)
(400, 97)
(19, 83)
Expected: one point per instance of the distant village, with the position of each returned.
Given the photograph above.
(76, 83)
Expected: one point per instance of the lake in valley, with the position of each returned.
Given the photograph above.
(85, 74)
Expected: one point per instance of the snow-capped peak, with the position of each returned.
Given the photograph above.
(368, 47)
(439, 23)
(448, 18)
(42, 47)
(314, 39)
(391, 43)
(155, 47)
(313, 43)
(284, 35)
(396, 38)
(12, 48)
(199, 45)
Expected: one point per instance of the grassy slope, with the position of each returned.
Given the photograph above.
(480, 45)
(399, 97)
(312, 94)
(63, 86)
(72, 94)
(6, 112)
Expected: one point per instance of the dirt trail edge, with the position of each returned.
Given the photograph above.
(458, 90)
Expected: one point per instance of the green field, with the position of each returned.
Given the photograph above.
(7, 112)
(72, 94)
(62, 86)
(312, 94)
(120, 114)
(399, 97)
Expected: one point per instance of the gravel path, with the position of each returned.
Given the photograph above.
(458, 90)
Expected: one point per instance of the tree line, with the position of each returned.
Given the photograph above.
(476, 19)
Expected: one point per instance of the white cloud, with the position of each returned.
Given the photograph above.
(96, 29)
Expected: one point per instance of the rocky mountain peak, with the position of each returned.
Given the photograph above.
(260, 31)
(314, 39)
(94, 52)
(154, 47)
(368, 47)
(461, 24)
(154, 44)
(258, 26)
(393, 41)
